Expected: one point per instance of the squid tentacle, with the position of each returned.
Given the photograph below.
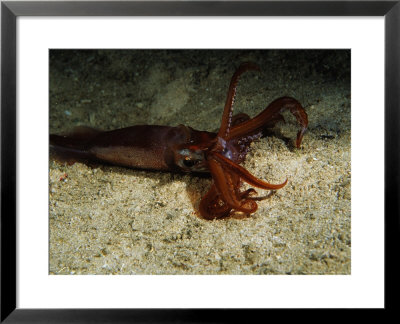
(246, 175)
(271, 115)
(227, 186)
(226, 121)
(225, 195)
(224, 184)
(212, 206)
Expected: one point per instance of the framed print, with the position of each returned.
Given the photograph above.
(193, 153)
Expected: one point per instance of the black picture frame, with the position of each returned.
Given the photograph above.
(10, 10)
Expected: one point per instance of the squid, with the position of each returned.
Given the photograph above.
(184, 149)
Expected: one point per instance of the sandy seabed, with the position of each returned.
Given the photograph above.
(112, 220)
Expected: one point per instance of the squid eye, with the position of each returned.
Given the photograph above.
(189, 163)
(191, 160)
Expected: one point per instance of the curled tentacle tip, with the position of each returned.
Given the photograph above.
(284, 183)
(252, 191)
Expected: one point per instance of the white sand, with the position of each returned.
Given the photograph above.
(112, 220)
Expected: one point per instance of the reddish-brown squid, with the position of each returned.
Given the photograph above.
(184, 149)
